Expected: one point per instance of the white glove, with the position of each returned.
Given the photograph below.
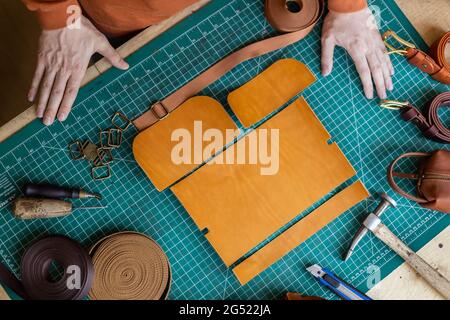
(357, 33)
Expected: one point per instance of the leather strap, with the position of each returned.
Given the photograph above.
(434, 63)
(391, 174)
(430, 124)
(35, 264)
(298, 25)
(129, 266)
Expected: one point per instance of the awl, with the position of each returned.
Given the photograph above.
(56, 192)
(38, 208)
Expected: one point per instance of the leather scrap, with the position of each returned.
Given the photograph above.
(300, 232)
(269, 90)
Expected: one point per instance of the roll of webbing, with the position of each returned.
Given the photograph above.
(129, 266)
(35, 265)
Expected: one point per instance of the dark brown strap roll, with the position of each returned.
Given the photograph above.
(35, 265)
(429, 122)
(297, 24)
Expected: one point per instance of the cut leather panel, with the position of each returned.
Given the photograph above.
(270, 90)
(300, 232)
(241, 208)
(152, 148)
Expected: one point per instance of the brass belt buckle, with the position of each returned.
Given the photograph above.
(394, 104)
(392, 49)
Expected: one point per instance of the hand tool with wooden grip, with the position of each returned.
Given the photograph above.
(56, 192)
(431, 275)
(37, 208)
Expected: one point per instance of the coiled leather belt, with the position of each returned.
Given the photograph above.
(35, 265)
(434, 62)
(295, 19)
(429, 122)
(127, 265)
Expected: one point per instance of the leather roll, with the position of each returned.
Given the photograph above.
(129, 266)
(292, 15)
(35, 264)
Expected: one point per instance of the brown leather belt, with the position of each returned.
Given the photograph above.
(35, 265)
(434, 62)
(296, 25)
(429, 122)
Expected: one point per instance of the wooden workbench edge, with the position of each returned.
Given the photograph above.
(103, 65)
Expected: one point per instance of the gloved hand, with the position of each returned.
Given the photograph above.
(357, 33)
(63, 58)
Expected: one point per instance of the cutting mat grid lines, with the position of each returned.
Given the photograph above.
(368, 136)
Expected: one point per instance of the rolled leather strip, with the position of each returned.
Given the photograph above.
(35, 265)
(429, 122)
(129, 266)
(297, 25)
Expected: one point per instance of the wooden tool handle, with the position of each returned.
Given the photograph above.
(35, 208)
(430, 274)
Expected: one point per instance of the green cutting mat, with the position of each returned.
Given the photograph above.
(370, 138)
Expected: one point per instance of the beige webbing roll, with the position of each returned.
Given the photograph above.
(129, 266)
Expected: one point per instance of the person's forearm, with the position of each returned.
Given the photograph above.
(346, 5)
(52, 14)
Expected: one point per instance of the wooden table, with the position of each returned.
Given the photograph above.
(431, 20)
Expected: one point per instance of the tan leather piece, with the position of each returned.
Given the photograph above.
(270, 90)
(300, 232)
(129, 266)
(304, 22)
(152, 148)
(241, 208)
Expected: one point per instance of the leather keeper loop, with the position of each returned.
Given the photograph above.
(431, 132)
(159, 110)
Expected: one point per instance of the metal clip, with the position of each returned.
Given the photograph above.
(98, 176)
(114, 138)
(394, 104)
(402, 41)
(77, 152)
(120, 117)
(104, 156)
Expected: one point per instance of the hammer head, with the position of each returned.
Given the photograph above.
(388, 200)
(371, 222)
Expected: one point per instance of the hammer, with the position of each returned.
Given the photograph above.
(373, 223)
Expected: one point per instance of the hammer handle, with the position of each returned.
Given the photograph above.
(430, 274)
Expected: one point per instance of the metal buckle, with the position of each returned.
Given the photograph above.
(76, 154)
(394, 104)
(95, 170)
(104, 156)
(152, 109)
(124, 118)
(114, 138)
(402, 41)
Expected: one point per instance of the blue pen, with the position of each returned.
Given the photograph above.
(335, 284)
